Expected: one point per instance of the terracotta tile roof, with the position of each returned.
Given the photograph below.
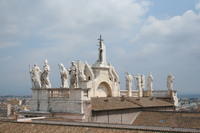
(168, 119)
(81, 127)
(7, 127)
(115, 103)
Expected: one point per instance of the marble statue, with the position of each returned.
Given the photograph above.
(170, 80)
(45, 82)
(63, 76)
(35, 73)
(138, 81)
(129, 79)
(142, 81)
(150, 82)
(73, 71)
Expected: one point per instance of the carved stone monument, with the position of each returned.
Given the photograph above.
(138, 84)
(138, 81)
(35, 73)
(170, 81)
(129, 79)
(63, 76)
(150, 82)
(45, 82)
(73, 71)
(142, 81)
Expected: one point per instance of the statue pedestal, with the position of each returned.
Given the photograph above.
(65, 100)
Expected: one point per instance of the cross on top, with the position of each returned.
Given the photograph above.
(100, 39)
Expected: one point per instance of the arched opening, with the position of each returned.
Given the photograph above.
(104, 90)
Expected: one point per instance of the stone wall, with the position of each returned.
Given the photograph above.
(58, 100)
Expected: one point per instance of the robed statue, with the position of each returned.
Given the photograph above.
(170, 81)
(129, 79)
(138, 81)
(45, 82)
(150, 82)
(73, 71)
(63, 76)
(35, 73)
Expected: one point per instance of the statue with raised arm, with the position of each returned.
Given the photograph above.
(73, 71)
(45, 82)
(63, 76)
(170, 81)
(35, 73)
(150, 82)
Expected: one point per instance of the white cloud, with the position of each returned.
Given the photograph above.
(197, 6)
(49, 19)
(175, 35)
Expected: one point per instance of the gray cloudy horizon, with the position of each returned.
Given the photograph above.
(141, 36)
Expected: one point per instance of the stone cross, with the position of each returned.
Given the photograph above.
(102, 52)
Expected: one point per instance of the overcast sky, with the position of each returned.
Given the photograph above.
(141, 36)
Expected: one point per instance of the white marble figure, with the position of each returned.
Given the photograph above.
(35, 73)
(142, 81)
(170, 81)
(138, 81)
(129, 79)
(63, 76)
(45, 82)
(150, 82)
(73, 71)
